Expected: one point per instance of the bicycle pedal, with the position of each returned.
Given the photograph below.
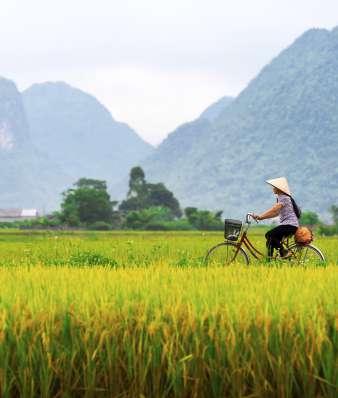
(286, 255)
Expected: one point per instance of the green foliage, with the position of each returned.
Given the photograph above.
(100, 226)
(50, 221)
(159, 195)
(143, 219)
(181, 224)
(328, 230)
(142, 195)
(90, 258)
(87, 203)
(204, 219)
(137, 182)
(89, 183)
(334, 212)
(160, 218)
(309, 218)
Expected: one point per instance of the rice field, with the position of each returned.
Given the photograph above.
(127, 314)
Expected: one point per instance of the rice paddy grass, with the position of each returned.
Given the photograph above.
(126, 314)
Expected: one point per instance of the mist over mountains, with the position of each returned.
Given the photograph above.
(215, 109)
(79, 133)
(284, 123)
(28, 177)
(51, 135)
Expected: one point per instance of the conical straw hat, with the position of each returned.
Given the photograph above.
(281, 183)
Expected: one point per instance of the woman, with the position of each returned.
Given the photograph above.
(288, 212)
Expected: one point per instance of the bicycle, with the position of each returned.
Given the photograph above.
(236, 246)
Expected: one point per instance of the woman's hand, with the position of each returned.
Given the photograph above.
(256, 217)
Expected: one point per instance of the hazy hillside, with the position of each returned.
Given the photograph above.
(175, 151)
(215, 109)
(284, 123)
(57, 135)
(13, 124)
(79, 133)
(28, 179)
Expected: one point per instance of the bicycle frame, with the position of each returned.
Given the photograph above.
(295, 250)
(246, 242)
(251, 248)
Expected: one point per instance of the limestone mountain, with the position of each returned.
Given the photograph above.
(215, 109)
(28, 179)
(79, 133)
(170, 155)
(284, 123)
(13, 124)
(53, 134)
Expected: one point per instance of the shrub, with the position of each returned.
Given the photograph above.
(328, 230)
(91, 258)
(100, 226)
(309, 218)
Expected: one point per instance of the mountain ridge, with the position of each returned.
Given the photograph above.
(77, 131)
(51, 135)
(283, 123)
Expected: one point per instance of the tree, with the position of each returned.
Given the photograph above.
(159, 195)
(309, 218)
(330, 230)
(137, 182)
(137, 193)
(334, 212)
(204, 219)
(87, 203)
(91, 183)
(143, 219)
(192, 214)
(143, 195)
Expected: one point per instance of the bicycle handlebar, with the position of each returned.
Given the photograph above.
(248, 216)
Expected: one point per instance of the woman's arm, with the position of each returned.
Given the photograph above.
(271, 213)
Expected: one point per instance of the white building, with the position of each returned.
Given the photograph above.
(10, 215)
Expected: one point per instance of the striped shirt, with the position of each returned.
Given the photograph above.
(287, 215)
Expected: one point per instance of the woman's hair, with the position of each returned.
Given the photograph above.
(296, 208)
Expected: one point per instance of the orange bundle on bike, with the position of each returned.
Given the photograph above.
(303, 236)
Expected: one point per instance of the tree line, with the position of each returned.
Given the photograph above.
(148, 206)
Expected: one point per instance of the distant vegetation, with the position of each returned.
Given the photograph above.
(143, 195)
(333, 228)
(148, 206)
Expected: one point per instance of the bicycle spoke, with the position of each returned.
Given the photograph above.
(306, 255)
(225, 254)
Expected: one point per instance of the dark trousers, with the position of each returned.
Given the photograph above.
(274, 237)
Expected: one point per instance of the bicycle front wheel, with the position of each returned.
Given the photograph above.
(226, 253)
(306, 255)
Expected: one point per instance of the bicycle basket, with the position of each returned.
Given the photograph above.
(232, 229)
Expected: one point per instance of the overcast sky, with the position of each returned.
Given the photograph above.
(155, 64)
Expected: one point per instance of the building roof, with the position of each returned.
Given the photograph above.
(29, 213)
(15, 213)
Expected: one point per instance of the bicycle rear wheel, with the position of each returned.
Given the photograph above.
(226, 253)
(306, 255)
